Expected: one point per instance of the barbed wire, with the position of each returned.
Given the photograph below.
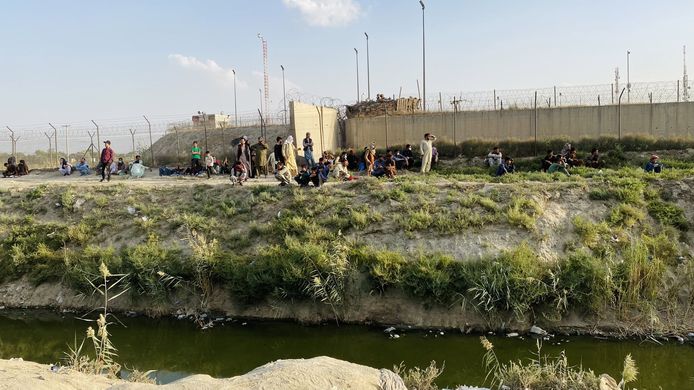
(558, 96)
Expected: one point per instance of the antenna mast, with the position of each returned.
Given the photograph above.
(685, 79)
(266, 77)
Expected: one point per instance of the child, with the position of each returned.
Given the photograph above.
(239, 173)
(209, 163)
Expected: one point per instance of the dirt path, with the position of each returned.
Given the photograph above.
(150, 179)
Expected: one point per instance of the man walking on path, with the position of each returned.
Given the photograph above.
(107, 155)
(425, 147)
(308, 150)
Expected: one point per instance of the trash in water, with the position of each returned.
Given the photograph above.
(390, 329)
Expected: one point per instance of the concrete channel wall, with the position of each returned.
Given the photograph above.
(320, 121)
(661, 120)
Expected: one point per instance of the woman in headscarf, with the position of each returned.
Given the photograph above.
(289, 152)
(243, 154)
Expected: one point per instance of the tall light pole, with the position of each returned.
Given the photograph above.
(284, 93)
(356, 53)
(628, 82)
(368, 70)
(424, 63)
(236, 112)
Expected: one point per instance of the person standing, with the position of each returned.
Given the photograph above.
(243, 154)
(369, 159)
(308, 150)
(106, 160)
(426, 149)
(195, 156)
(260, 156)
(279, 156)
(209, 163)
(289, 153)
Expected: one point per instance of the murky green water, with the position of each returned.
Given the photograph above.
(233, 348)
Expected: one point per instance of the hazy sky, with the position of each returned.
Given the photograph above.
(66, 61)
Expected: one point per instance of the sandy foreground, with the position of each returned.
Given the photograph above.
(320, 373)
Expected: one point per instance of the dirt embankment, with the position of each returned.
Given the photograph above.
(318, 373)
(83, 222)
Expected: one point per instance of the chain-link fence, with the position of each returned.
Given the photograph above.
(43, 144)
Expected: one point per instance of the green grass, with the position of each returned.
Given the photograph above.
(523, 212)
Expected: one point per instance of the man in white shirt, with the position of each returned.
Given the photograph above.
(425, 148)
(494, 157)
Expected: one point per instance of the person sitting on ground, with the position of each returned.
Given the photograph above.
(137, 169)
(494, 157)
(558, 165)
(400, 160)
(390, 166)
(239, 172)
(65, 168)
(594, 159)
(572, 160)
(82, 167)
(324, 172)
(547, 161)
(303, 178)
(209, 163)
(352, 160)
(408, 155)
(22, 168)
(565, 150)
(113, 167)
(121, 167)
(341, 173)
(506, 167)
(225, 168)
(283, 175)
(653, 165)
(314, 176)
(10, 170)
(379, 168)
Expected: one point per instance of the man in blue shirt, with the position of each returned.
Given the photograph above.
(653, 165)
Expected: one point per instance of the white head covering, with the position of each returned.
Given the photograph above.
(289, 140)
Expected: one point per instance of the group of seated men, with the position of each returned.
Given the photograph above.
(12, 169)
(567, 159)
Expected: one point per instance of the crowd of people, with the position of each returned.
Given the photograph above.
(280, 161)
(107, 166)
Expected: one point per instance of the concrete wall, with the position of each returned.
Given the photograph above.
(320, 121)
(664, 120)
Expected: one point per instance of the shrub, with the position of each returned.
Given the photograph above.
(429, 277)
(513, 282)
(668, 214)
(416, 220)
(582, 282)
(626, 215)
(523, 212)
(639, 276)
(384, 268)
